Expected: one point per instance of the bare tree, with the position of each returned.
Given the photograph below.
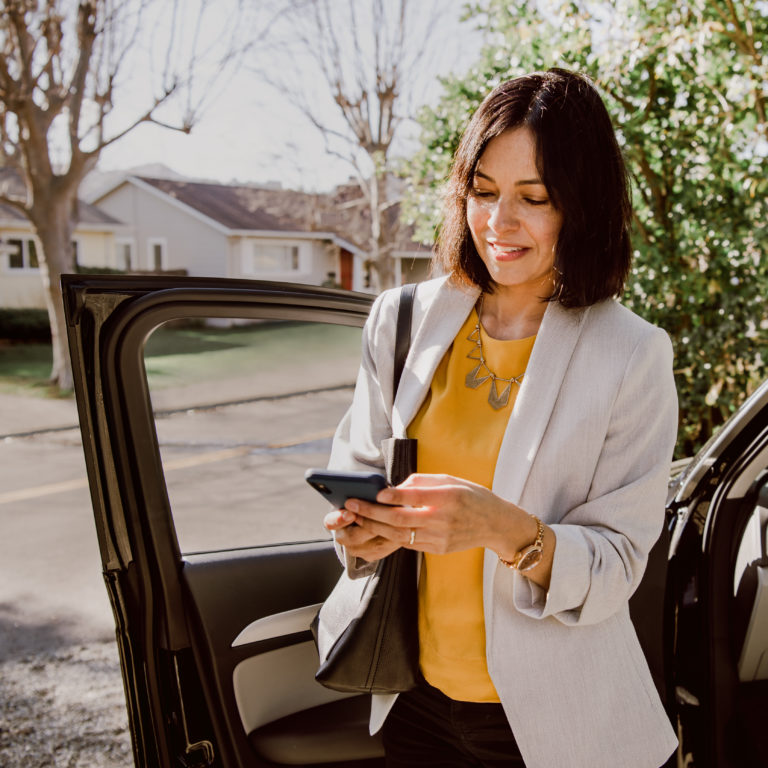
(368, 58)
(62, 63)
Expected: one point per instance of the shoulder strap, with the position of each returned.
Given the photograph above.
(403, 332)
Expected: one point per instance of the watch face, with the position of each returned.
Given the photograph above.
(529, 558)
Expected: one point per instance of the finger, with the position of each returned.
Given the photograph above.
(365, 544)
(402, 536)
(413, 496)
(390, 515)
(353, 537)
(338, 519)
(425, 480)
(375, 549)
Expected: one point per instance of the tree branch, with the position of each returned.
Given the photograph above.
(86, 35)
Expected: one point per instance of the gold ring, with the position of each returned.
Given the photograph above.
(413, 537)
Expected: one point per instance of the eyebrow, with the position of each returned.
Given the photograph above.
(523, 183)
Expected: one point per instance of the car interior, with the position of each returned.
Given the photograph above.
(750, 628)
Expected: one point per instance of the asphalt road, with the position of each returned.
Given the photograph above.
(234, 476)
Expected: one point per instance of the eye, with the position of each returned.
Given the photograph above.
(481, 193)
(535, 201)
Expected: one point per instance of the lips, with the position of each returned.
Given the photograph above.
(504, 252)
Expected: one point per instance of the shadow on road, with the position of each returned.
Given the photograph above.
(21, 637)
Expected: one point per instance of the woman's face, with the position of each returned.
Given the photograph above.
(513, 223)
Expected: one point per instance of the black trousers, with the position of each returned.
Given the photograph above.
(427, 728)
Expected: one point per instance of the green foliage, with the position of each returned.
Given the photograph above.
(81, 270)
(687, 88)
(25, 324)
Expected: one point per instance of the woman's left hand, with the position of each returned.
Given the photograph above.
(445, 514)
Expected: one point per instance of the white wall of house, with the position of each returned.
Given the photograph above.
(21, 285)
(96, 249)
(163, 234)
(282, 259)
(412, 267)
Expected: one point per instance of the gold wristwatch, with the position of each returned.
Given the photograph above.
(530, 556)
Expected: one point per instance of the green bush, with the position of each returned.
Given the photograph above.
(25, 324)
(81, 270)
(687, 87)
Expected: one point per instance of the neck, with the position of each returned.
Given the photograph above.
(513, 312)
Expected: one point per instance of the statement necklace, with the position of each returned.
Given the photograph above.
(481, 372)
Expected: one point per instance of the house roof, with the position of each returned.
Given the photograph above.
(87, 214)
(11, 185)
(342, 214)
(232, 206)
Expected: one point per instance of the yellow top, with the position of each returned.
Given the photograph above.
(460, 434)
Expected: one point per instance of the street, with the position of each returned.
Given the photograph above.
(234, 477)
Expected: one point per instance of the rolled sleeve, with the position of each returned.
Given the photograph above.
(602, 545)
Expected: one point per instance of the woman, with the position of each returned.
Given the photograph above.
(546, 415)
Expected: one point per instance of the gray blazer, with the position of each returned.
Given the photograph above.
(587, 449)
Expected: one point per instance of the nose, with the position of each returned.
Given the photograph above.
(504, 216)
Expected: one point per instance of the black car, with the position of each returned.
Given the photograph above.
(215, 560)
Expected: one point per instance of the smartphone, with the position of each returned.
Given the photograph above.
(338, 486)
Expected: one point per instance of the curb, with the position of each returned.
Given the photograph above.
(184, 409)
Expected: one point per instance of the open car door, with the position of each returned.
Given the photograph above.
(213, 551)
(718, 595)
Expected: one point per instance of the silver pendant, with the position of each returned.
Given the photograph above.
(476, 353)
(497, 400)
(473, 381)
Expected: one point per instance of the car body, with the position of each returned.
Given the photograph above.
(214, 638)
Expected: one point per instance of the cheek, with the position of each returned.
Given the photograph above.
(477, 217)
(549, 228)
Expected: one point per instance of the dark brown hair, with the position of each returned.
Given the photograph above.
(582, 167)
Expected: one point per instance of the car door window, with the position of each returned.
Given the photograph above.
(242, 409)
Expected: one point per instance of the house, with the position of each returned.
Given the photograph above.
(21, 285)
(346, 210)
(229, 230)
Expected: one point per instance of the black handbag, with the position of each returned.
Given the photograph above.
(378, 650)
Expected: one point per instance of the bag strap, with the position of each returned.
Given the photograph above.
(403, 331)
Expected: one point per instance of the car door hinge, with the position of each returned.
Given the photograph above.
(198, 753)
(684, 696)
(677, 523)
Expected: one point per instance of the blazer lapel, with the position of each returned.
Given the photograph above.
(435, 329)
(552, 352)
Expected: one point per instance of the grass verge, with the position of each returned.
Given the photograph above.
(191, 355)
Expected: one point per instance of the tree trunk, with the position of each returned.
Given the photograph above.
(382, 233)
(55, 229)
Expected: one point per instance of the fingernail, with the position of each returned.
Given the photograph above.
(346, 516)
(384, 497)
(352, 506)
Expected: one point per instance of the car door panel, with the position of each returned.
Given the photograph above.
(194, 695)
(267, 679)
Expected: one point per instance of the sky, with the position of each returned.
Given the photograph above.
(249, 131)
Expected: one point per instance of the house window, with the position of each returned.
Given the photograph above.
(272, 258)
(158, 255)
(23, 254)
(124, 254)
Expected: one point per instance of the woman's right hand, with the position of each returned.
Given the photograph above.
(357, 541)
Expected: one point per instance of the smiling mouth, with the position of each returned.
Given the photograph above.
(507, 251)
